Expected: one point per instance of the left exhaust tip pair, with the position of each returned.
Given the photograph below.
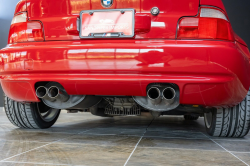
(52, 93)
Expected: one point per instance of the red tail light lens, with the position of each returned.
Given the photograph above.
(22, 30)
(210, 24)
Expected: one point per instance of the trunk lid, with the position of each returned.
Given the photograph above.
(54, 14)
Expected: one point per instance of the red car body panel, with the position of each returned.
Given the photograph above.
(21, 6)
(208, 72)
(55, 15)
(200, 69)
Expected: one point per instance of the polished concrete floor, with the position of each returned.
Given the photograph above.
(84, 139)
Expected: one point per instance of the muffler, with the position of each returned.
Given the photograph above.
(154, 95)
(168, 95)
(55, 96)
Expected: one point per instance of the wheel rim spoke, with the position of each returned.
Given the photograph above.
(208, 119)
(48, 115)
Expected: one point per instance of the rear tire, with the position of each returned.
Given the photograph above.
(191, 117)
(229, 122)
(30, 115)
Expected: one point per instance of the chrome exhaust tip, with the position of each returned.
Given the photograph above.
(169, 95)
(56, 93)
(154, 94)
(160, 97)
(41, 92)
(56, 97)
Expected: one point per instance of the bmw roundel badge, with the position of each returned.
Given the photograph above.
(107, 3)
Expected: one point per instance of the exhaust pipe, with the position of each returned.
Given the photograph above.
(154, 94)
(160, 97)
(42, 93)
(55, 96)
(168, 95)
(57, 93)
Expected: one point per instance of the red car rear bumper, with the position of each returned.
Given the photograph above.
(209, 73)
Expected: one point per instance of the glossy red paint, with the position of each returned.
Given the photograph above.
(21, 6)
(142, 23)
(126, 67)
(240, 40)
(71, 26)
(208, 72)
(19, 90)
(54, 15)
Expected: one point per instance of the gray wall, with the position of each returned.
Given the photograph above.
(238, 11)
(239, 15)
(7, 8)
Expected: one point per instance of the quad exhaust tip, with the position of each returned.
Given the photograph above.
(52, 93)
(169, 95)
(55, 96)
(154, 94)
(160, 97)
(56, 93)
(41, 92)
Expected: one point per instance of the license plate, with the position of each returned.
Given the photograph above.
(114, 23)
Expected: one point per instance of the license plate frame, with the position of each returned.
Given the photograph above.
(84, 29)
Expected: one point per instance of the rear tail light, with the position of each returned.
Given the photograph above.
(22, 30)
(211, 23)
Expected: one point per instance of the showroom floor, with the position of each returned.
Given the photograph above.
(83, 139)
